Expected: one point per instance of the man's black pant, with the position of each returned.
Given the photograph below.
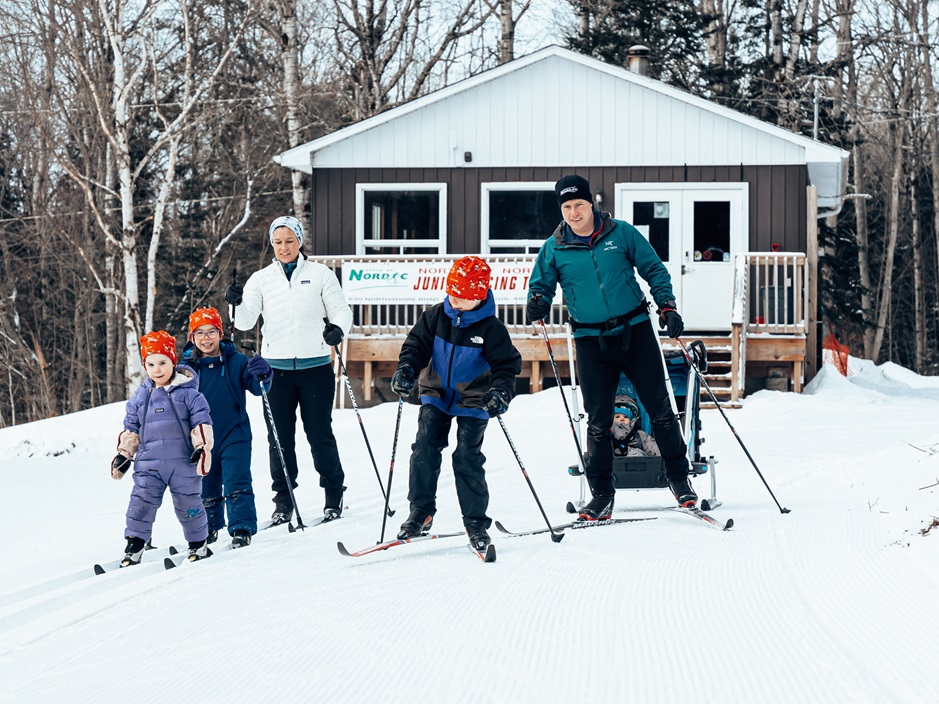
(433, 429)
(599, 363)
(313, 391)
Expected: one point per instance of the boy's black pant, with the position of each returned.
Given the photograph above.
(433, 429)
(313, 390)
(599, 370)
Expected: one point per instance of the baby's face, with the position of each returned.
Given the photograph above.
(621, 418)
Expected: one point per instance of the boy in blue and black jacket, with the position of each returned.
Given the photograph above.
(467, 365)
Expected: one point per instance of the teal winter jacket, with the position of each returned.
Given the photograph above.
(599, 279)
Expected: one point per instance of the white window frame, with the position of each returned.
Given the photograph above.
(486, 244)
(363, 244)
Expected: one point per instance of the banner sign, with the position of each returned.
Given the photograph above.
(425, 282)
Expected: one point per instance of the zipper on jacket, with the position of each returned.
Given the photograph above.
(459, 318)
(596, 268)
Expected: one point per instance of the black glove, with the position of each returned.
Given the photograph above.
(196, 454)
(233, 294)
(670, 320)
(120, 463)
(495, 402)
(258, 366)
(403, 381)
(538, 308)
(332, 334)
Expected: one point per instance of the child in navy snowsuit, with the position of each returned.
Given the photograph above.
(469, 367)
(224, 376)
(168, 434)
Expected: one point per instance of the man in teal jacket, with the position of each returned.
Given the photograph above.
(595, 258)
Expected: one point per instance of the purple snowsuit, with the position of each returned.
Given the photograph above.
(163, 418)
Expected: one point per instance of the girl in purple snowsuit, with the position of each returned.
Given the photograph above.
(168, 433)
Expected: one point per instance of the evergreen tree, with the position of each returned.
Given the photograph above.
(673, 30)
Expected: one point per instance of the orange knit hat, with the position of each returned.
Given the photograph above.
(469, 279)
(204, 316)
(159, 342)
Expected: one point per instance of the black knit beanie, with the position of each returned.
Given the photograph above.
(572, 186)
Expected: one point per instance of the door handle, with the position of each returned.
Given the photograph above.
(685, 269)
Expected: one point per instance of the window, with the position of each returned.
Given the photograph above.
(517, 217)
(652, 219)
(712, 231)
(401, 218)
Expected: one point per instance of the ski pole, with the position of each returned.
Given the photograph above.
(280, 455)
(729, 424)
(556, 537)
(578, 416)
(355, 407)
(557, 376)
(270, 419)
(391, 467)
(231, 328)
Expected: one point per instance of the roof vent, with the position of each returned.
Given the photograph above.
(638, 59)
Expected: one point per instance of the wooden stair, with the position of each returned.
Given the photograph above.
(719, 358)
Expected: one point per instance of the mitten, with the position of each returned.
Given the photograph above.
(119, 466)
(495, 402)
(258, 366)
(233, 294)
(670, 320)
(332, 334)
(203, 440)
(403, 381)
(537, 308)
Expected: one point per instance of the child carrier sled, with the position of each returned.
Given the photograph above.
(642, 468)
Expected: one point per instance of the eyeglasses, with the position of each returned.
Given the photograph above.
(202, 334)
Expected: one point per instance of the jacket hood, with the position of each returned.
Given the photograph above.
(470, 316)
(227, 349)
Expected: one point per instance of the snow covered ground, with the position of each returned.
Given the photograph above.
(834, 602)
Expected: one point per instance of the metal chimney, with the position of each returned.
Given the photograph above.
(638, 59)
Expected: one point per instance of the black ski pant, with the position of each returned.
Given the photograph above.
(433, 430)
(637, 354)
(313, 390)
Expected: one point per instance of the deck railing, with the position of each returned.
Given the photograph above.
(396, 319)
(770, 298)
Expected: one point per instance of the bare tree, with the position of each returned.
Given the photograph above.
(125, 85)
(390, 48)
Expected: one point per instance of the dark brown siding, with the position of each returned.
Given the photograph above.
(777, 198)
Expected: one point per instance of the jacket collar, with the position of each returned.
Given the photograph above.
(464, 318)
(565, 237)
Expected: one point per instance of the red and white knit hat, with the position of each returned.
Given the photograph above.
(159, 342)
(204, 316)
(469, 279)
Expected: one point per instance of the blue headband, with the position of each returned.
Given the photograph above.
(288, 222)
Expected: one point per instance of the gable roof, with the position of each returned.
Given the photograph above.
(556, 107)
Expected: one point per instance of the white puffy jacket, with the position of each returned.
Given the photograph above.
(293, 311)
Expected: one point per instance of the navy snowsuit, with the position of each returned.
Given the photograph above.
(224, 380)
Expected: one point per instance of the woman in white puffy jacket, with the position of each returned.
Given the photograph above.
(304, 313)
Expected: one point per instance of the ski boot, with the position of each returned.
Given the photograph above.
(683, 492)
(333, 508)
(600, 508)
(478, 536)
(283, 512)
(213, 536)
(418, 523)
(198, 550)
(240, 539)
(133, 552)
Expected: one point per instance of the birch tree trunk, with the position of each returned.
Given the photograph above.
(932, 134)
(919, 314)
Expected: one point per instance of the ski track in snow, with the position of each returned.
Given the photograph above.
(833, 602)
